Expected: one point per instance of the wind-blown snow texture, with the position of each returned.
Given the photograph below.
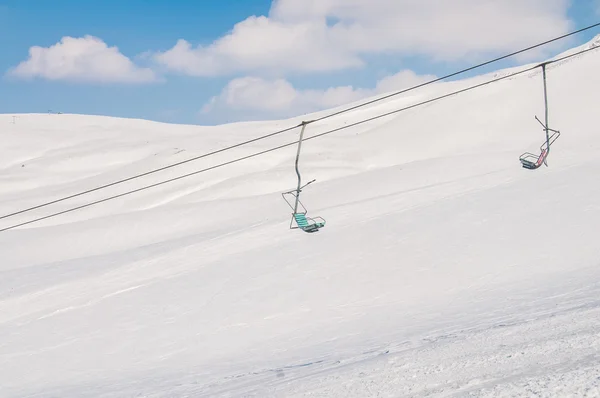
(445, 268)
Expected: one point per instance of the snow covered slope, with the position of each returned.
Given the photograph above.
(444, 269)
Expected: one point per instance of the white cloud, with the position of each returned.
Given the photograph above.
(85, 59)
(267, 98)
(322, 35)
(258, 43)
(253, 93)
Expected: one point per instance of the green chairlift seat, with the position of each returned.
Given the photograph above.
(308, 224)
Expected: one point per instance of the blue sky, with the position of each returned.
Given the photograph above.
(188, 61)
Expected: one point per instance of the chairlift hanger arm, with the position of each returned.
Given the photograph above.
(307, 224)
(299, 189)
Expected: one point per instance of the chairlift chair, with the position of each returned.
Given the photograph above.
(307, 224)
(531, 161)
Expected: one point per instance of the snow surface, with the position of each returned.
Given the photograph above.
(445, 268)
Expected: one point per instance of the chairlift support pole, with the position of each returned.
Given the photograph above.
(303, 222)
(547, 127)
(304, 124)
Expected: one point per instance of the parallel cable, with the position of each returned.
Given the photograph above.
(296, 142)
(148, 173)
(457, 73)
(294, 127)
(453, 93)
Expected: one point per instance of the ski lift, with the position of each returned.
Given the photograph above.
(529, 160)
(292, 198)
